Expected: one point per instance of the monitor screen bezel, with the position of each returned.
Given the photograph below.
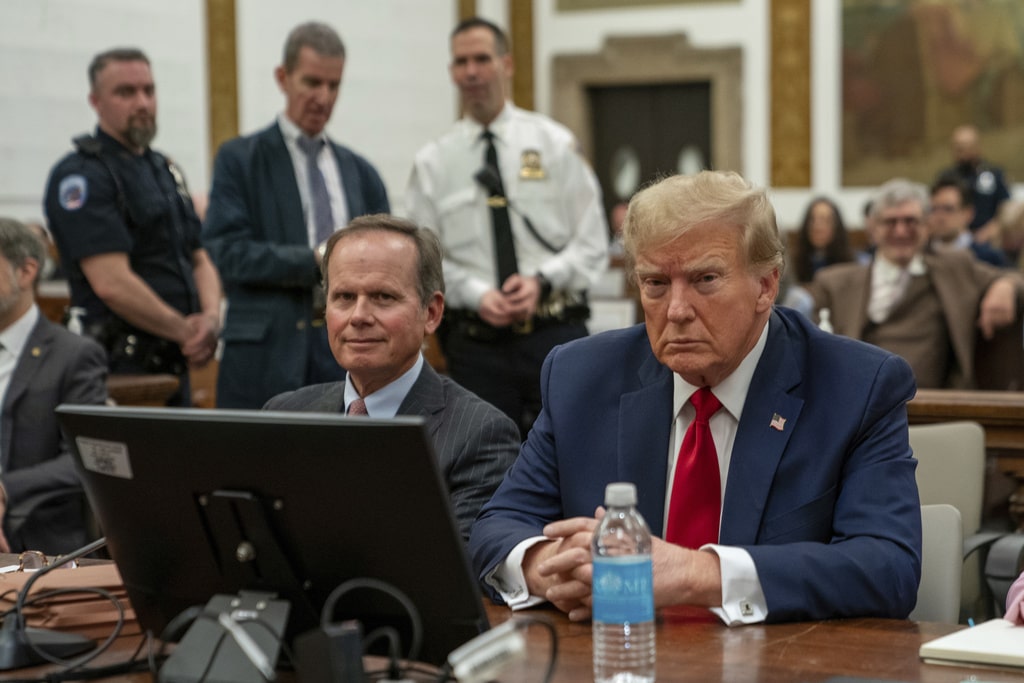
(294, 473)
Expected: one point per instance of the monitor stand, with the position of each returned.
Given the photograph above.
(249, 552)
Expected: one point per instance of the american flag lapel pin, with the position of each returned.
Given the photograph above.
(778, 422)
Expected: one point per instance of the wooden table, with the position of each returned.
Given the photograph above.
(694, 649)
(141, 390)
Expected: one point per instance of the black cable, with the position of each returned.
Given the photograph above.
(327, 614)
(71, 664)
(213, 656)
(394, 669)
(553, 659)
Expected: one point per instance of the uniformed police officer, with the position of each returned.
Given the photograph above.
(128, 234)
(520, 216)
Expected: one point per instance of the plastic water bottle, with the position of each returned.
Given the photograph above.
(623, 591)
(75, 314)
(825, 320)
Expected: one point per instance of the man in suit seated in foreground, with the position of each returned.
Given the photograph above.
(41, 366)
(385, 294)
(805, 507)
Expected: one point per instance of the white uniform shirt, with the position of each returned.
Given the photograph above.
(561, 197)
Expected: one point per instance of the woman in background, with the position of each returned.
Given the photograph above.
(822, 240)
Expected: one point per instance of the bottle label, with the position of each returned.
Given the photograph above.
(623, 589)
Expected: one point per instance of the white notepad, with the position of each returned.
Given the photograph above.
(996, 641)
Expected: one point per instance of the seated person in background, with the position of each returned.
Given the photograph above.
(810, 471)
(821, 241)
(41, 366)
(914, 301)
(952, 205)
(866, 254)
(987, 181)
(385, 294)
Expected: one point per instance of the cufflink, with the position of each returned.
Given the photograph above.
(746, 609)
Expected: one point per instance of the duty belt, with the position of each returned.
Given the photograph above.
(558, 308)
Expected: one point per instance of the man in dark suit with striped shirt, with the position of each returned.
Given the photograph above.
(385, 294)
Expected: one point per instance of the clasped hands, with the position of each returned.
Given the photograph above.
(560, 570)
(201, 341)
(515, 302)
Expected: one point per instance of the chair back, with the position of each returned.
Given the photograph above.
(938, 597)
(951, 469)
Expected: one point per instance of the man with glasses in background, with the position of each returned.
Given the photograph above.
(915, 301)
(950, 218)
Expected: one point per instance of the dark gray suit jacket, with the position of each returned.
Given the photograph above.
(55, 367)
(256, 235)
(474, 441)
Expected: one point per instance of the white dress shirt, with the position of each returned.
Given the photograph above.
(889, 283)
(385, 402)
(328, 165)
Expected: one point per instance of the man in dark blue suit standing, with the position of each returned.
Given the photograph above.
(811, 493)
(277, 196)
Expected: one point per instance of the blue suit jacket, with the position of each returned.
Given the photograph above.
(827, 506)
(255, 231)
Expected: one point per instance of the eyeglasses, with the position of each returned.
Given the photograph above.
(944, 208)
(34, 560)
(912, 222)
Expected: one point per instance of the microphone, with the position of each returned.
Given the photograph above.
(22, 646)
(489, 179)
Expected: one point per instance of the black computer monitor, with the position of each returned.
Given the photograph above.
(306, 500)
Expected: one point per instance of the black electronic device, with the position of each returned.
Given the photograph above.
(195, 503)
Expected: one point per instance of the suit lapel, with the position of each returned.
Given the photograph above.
(949, 289)
(37, 347)
(645, 417)
(350, 181)
(859, 294)
(426, 399)
(769, 417)
(285, 186)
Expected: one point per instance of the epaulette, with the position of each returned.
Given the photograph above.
(87, 144)
(91, 146)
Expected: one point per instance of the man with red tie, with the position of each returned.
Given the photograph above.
(771, 458)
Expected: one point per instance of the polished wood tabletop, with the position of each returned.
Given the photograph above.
(697, 648)
(694, 648)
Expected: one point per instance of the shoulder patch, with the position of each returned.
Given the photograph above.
(72, 192)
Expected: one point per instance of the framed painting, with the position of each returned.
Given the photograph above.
(913, 70)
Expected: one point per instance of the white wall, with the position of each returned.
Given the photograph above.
(395, 95)
(45, 49)
(395, 92)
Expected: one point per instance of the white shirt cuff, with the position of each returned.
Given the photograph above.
(742, 596)
(508, 579)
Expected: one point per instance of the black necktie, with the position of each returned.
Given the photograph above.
(504, 247)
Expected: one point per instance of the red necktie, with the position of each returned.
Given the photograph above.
(357, 407)
(696, 490)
